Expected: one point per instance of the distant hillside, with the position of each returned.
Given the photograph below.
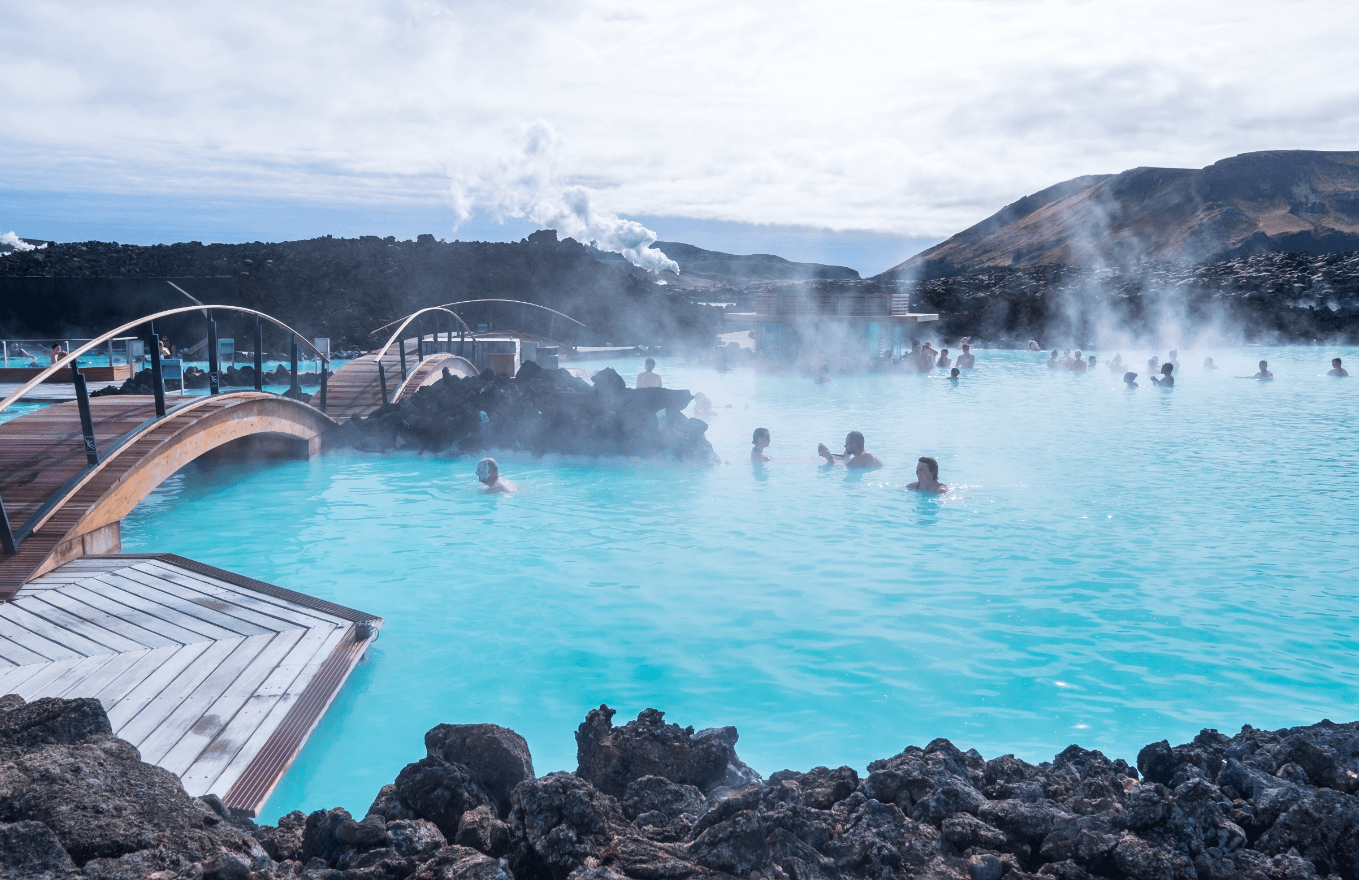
(1296, 201)
(704, 268)
(341, 288)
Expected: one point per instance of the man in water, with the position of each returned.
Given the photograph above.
(649, 378)
(1078, 362)
(953, 375)
(927, 477)
(927, 357)
(1053, 362)
(1130, 379)
(1090, 365)
(760, 440)
(855, 455)
(967, 360)
(1166, 380)
(1209, 365)
(489, 473)
(1264, 375)
(1034, 346)
(1336, 369)
(57, 352)
(1116, 364)
(944, 361)
(1175, 358)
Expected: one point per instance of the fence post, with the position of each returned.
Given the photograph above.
(259, 355)
(86, 421)
(325, 374)
(7, 542)
(382, 380)
(214, 376)
(420, 339)
(157, 377)
(401, 347)
(295, 387)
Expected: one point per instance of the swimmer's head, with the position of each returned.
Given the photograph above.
(650, 364)
(1054, 354)
(487, 471)
(930, 465)
(1174, 352)
(760, 434)
(953, 373)
(943, 351)
(1130, 378)
(966, 348)
(1335, 362)
(1207, 362)
(1078, 354)
(1264, 365)
(854, 441)
(1167, 368)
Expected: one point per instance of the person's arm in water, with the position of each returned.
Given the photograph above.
(830, 457)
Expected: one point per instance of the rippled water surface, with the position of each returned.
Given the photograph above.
(1114, 567)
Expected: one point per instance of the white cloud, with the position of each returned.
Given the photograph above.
(10, 241)
(911, 118)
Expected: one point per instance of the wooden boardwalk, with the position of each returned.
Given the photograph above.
(356, 390)
(74, 508)
(217, 678)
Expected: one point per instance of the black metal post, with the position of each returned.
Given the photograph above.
(86, 421)
(382, 380)
(259, 356)
(214, 374)
(401, 347)
(420, 343)
(7, 542)
(295, 386)
(157, 377)
(325, 374)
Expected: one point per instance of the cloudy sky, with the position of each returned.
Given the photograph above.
(847, 132)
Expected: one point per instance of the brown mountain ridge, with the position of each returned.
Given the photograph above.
(1297, 201)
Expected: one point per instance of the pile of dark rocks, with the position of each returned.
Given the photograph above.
(654, 801)
(538, 411)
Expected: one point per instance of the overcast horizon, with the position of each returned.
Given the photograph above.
(854, 134)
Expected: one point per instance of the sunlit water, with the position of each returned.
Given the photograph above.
(1113, 567)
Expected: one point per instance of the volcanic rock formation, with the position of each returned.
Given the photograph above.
(651, 800)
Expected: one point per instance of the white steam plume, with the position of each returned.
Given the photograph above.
(528, 184)
(11, 242)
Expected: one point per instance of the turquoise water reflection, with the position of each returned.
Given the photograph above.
(1115, 567)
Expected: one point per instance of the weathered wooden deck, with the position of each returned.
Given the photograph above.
(355, 389)
(216, 677)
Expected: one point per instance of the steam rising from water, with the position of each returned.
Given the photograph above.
(9, 241)
(528, 184)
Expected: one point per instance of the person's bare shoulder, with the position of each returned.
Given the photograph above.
(865, 460)
(914, 487)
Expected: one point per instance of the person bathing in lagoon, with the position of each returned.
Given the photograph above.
(927, 357)
(57, 352)
(944, 361)
(1116, 364)
(1054, 363)
(953, 375)
(1263, 376)
(761, 443)
(967, 360)
(855, 455)
(823, 375)
(1091, 362)
(1209, 365)
(1078, 363)
(1336, 369)
(1174, 358)
(927, 477)
(703, 407)
(1034, 346)
(649, 378)
(489, 473)
(1130, 379)
(1153, 364)
(1166, 380)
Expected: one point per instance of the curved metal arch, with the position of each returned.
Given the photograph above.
(411, 317)
(468, 302)
(440, 358)
(74, 355)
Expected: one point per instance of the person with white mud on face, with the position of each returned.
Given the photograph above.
(489, 473)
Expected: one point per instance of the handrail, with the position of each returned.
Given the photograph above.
(74, 355)
(405, 384)
(468, 302)
(411, 317)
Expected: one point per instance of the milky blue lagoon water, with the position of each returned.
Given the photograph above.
(1113, 568)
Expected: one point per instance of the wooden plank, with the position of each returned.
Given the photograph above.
(132, 612)
(14, 652)
(216, 717)
(152, 708)
(194, 702)
(112, 626)
(48, 678)
(190, 602)
(149, 663)
(241, 740)
(98, 677)
(174, 608)
(14, 676)
(130, 705)
(17, 612)
(43, 649)
(250, 604)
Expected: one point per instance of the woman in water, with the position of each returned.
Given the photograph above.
(1209, 365)
(1166, 380)
(1116, 364)
(1130, 379)
(761, 441)
(927, 477)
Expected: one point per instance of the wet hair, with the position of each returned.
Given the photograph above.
(1054, 354)
(1167, 368)
(484, 468)
(856, 439)
(759, 432)
(1264, 364)
(650, 363)
(1335, 362)
(1129, 377)
(1077, 354)
(966, 347)
(953, 373)
(931, 464)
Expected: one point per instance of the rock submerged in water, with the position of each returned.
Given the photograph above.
(538, 411)
(654, 801)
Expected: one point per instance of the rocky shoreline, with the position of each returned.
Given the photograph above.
(538, 411)
(654, 801)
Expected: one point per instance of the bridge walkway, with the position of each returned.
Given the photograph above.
(356, 389)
